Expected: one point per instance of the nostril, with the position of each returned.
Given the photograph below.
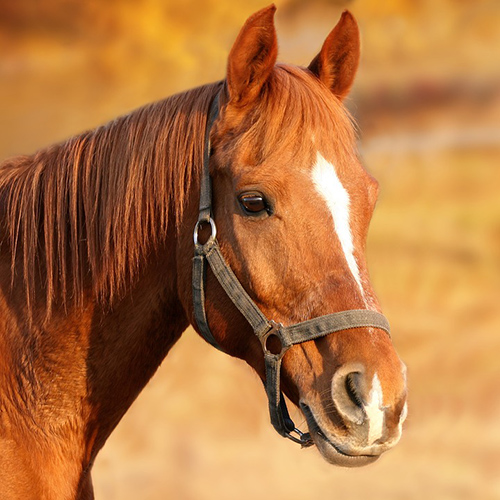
(347, 394)
(351, 387)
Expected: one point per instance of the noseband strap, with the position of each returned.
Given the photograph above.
(265, 329)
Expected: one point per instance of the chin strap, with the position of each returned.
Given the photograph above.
(283, 337)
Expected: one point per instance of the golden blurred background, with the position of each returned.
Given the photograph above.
(427, 99)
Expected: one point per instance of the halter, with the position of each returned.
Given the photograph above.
(264, 328)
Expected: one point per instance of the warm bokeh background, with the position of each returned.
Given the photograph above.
(428, 103)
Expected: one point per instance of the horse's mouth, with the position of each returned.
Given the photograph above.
(333, 452)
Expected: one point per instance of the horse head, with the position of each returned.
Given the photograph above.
(292, 204)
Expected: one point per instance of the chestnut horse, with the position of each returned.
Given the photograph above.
(96, 257)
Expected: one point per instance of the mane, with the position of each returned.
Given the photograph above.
(89, 209)
(295, 106)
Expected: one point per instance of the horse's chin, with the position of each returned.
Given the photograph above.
(332, 452)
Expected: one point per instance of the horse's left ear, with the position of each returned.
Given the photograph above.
(338, 60)
(252, 57)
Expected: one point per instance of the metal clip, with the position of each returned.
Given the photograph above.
(304, 438)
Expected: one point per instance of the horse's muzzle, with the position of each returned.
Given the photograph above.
(353, 428)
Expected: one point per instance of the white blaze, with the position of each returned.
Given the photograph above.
(333, 192)
(374, 411)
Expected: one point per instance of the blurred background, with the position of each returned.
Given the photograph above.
(427, 100)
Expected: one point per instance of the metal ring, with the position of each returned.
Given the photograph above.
(273, 330)
(213, 229)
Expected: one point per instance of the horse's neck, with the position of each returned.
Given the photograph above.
(80, 373)
(127, 345)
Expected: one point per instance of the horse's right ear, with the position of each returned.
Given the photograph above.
(252, 57)
(338, 60)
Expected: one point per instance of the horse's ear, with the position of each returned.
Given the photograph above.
(338, 60)
(252, 57)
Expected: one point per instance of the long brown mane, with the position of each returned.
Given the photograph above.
(89, 209)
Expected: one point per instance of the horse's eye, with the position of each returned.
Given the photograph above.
(254, 203)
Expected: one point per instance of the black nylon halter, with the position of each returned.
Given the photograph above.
(288, 335)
